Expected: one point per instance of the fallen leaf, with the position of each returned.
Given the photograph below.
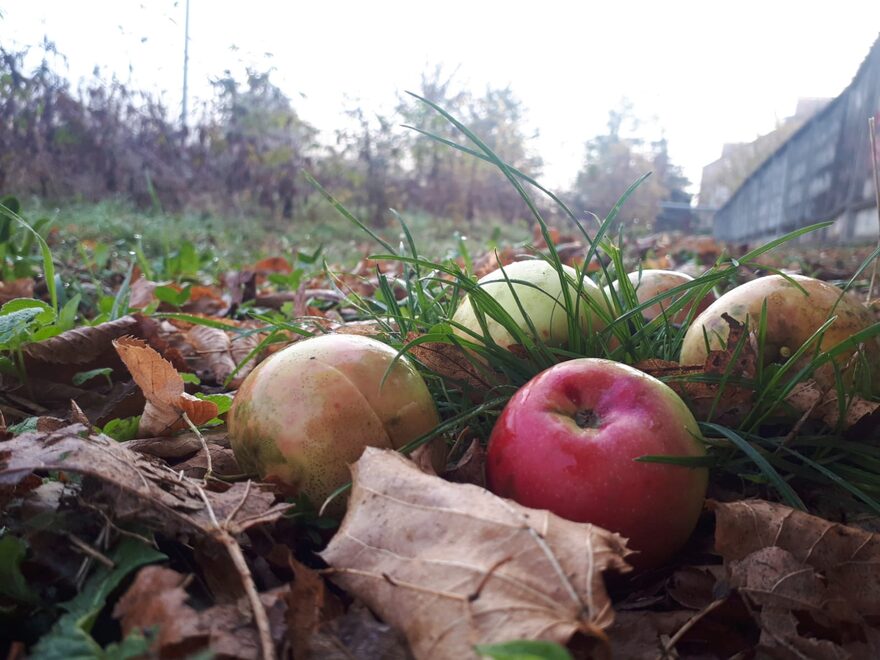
(452, 364)
(212, 347)
(141, 293)
(471, 467)
(81, 345)
(814, 585)
(725, 403)
(356, 634)
(207, 300)
(163, 388)
(309, 606)
(452, 565)
(12, 289)
(223, 463)
(157, 601)
(137, 487)
(861, 417)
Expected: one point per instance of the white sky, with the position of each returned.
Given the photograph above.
(706, 72)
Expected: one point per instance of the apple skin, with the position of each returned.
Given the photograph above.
(652, 282)
(792, 317)
(544, 305)
(540, 456)
(304, 414)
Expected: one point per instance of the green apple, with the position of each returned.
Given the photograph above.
(307, 412)
(537, 286)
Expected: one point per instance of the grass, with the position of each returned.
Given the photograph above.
(756, 455)
(237, 239)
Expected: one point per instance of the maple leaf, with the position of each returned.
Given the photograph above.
(452, 565)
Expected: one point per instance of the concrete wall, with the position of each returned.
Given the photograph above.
(823, 172)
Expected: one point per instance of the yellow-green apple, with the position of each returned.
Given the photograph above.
(650, 283)
(567, 442)
(537, 285)
(797, 306)
(307, 412)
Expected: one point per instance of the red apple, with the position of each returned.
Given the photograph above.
(567, 442)
(649, 283)
(303, 415)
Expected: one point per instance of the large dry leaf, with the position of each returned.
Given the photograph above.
(452, 565)
(814, 585)
(58, 359)
(163, 388)
(135, 486)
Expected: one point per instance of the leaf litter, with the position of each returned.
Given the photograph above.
(165, 534)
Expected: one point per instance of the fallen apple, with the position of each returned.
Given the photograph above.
(536, 284)
(567, 442)
(307, 412)
(650, 283)
(797, 306)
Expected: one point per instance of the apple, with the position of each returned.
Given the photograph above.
(541, 298)
(305, 413)
(650, 283)
(797, 306)
(567, 442)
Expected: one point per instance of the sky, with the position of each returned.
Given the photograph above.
(702, 73)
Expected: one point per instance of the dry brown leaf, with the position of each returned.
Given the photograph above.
(451, 363)
(309, 606)
(814, 585)
(471, 467)
(80, 345)
(356, 634)
(141, 293)
(223, 463)
(206, 300)
(861, 416)
(212, 347)
(157, 601)
(452, 565)
(163, 388)
(12, 289)
(703, 398)
(137, 487)
(241, 347)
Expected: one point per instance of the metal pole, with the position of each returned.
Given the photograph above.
(185, 65)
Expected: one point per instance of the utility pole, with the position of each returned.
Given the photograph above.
(185, 66)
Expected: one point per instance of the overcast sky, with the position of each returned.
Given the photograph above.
(705, 72)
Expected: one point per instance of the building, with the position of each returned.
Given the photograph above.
(822, 171)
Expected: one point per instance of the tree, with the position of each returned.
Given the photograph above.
(614, 161)
(446, 182)
(262, 140)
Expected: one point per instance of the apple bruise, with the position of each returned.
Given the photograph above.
(567, 442)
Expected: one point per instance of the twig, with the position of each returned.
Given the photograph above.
(261, 619)
(669, 647)
(873, 135)
(210, 464)
(91, 552)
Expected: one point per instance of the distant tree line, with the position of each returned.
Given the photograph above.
(249, 147)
